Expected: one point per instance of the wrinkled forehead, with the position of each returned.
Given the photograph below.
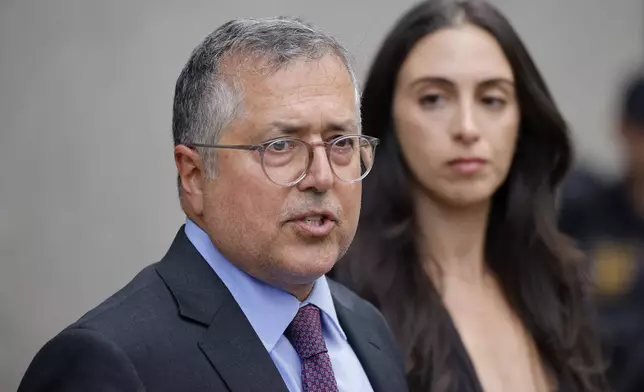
(302, 96)
(256, 70)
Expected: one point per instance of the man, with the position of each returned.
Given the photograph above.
(608, 223)
(268, 149)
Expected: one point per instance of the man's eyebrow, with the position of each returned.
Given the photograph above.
(289, 128)
(349, 126)
(281, 128)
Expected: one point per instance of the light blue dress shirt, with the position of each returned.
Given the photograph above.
(270, 310)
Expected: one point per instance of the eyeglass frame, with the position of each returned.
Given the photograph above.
(261, 148)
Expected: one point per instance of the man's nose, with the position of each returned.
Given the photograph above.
(320, 175)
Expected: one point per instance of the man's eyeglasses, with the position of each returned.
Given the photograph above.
(287, 160)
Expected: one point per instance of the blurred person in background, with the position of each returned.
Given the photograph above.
(609, 226)
(240, 302)
(457, 243)
(577, 185)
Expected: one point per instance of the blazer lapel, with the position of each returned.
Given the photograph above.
(230, 343)
(380, 367)
(233, 348)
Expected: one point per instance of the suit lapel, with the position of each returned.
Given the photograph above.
(366, 342)
(230, 343)
(233, 348)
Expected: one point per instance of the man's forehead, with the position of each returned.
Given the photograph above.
(292, 126)
(299, 97)
(257, 72)
(299, 86)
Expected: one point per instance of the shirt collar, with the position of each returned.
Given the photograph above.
(321, 297)
(268, 309)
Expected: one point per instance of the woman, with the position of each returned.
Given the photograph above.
(457, 243)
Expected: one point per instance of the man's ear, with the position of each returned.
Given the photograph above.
(192, 175)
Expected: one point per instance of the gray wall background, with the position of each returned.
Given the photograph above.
(87, 181)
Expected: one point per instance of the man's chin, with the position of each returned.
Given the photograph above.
(308, 269)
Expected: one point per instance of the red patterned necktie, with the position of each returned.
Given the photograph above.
(305, 334)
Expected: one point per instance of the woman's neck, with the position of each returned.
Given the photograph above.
(452, 239)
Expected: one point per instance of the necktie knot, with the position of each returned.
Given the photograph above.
(305, 332)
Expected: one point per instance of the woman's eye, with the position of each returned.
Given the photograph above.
(494, 102)
(431, 99)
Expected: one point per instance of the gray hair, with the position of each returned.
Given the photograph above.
(207, 101)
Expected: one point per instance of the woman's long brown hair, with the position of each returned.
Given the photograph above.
(537, 268)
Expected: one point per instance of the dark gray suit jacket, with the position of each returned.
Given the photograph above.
(176, 327)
